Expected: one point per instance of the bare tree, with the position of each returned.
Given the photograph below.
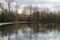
(9, 3)
(2, 7)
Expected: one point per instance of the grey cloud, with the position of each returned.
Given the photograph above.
(31, 1)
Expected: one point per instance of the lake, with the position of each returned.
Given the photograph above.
(35, 31)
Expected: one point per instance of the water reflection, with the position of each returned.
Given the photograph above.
(35, 31)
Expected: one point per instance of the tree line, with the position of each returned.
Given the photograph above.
(40, 16)
(6, 15)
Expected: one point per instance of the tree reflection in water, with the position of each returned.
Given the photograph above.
(8, 30)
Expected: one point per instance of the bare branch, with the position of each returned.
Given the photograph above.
(17, 6)
(8, 2)
(1, 6)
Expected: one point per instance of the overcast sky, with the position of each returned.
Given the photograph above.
(51, 4)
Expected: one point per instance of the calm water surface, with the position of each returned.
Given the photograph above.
(37, 31)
